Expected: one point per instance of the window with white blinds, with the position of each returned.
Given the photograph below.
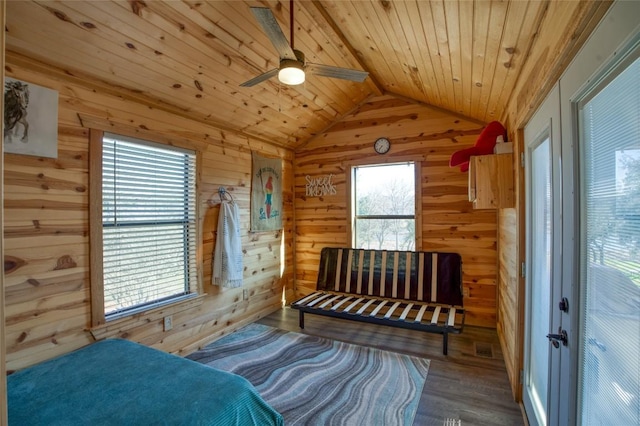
(384, 206)
(610, 249)
(148, 224)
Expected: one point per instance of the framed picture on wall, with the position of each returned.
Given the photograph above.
(266, 193)
(30, 119)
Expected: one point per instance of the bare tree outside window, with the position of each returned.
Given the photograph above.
(385, 206)
(148, 224)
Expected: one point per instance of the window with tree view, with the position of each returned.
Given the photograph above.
(148, 224)
(384, 205)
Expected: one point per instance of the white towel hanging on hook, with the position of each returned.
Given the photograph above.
(227, 257)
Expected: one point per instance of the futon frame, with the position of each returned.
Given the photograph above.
(408, 289)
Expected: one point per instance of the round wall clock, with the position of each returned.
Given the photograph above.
(382, 145)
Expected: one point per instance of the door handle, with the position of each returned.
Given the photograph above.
(560, 337)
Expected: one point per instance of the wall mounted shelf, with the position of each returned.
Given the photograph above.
(491, 184)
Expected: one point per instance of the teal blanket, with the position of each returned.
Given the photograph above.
(118, 382)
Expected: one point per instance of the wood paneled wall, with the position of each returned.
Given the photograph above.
(449, 222)
(3, 382)
(509, 293)
(46, 229)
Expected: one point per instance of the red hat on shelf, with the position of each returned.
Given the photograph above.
(483, 146)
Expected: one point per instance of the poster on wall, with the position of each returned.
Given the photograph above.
(266, 194)
(30, 119)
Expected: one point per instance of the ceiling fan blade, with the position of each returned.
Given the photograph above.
(337, 72)
(259, 79)
(274, 32)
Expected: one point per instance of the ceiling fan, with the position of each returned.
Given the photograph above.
(292, 62)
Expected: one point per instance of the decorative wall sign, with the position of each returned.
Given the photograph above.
(266, 194)
(30, 119)
(320, 186)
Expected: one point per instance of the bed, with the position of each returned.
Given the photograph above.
(118, 382)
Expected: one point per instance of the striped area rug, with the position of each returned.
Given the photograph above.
(316, 381)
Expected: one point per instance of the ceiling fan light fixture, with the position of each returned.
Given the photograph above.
(292, 63)
(291, 72)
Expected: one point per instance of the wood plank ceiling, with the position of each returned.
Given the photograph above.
(189, 57)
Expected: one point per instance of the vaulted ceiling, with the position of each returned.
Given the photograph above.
(191, 56)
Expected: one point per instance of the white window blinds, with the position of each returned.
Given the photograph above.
(149, 224)
(610, 255)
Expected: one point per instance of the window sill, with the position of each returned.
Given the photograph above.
(121, 326)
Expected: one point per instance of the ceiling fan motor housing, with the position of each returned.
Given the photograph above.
(299, 63)
(299, 55)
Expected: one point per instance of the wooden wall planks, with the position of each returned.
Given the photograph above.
(449, 222)
(3, 366)
(47, 224)
(508, 324)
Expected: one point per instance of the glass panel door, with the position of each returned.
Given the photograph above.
(609, 123)
(539, 282)
(543, 254)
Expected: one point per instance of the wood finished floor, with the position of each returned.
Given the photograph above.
(460, 385)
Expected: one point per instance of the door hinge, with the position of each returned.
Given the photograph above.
(522, 159)
(521, 376)
(523, 270)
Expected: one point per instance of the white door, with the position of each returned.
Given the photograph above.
(600, 108)
(592, 264)
(609, 247)
(543, 259)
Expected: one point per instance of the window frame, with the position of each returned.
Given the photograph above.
(175, 304)
(350, 193)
